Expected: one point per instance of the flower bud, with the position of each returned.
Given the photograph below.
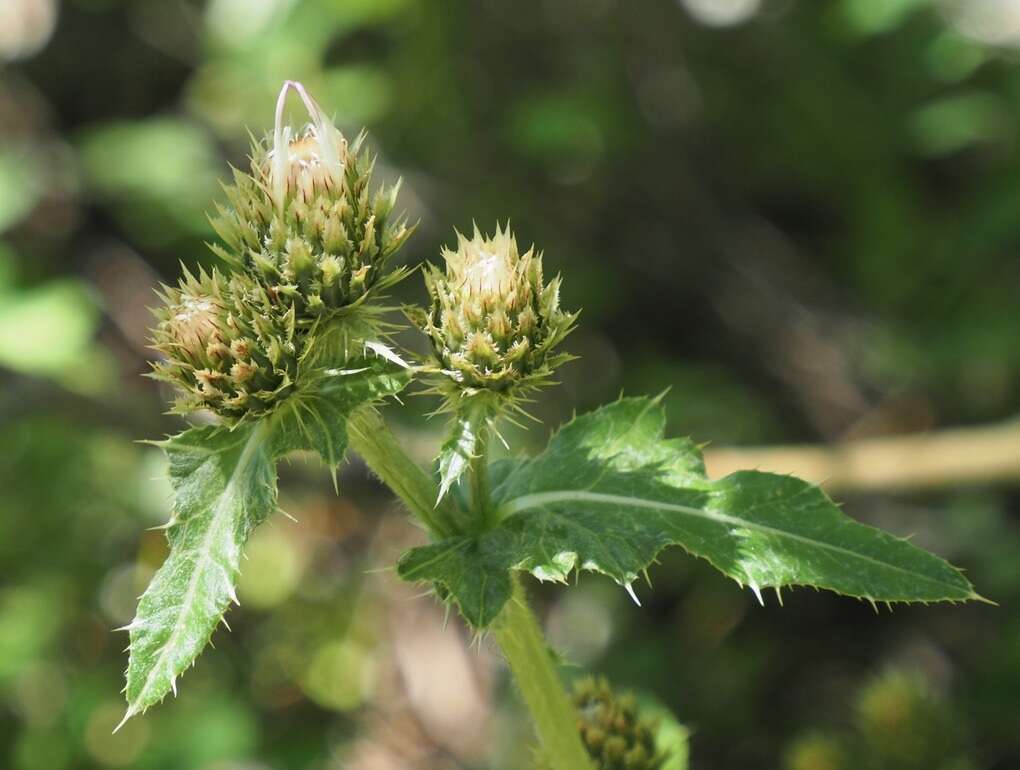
(493, 321)
(226, 347)
(304, 222)
(611, 729)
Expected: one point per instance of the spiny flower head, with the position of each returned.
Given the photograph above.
(614, 734)
(225, 346)
(304, 222)
(493, 320)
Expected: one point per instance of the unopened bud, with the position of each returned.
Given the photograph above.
(493, 321)
(225, 346)
(303, 222)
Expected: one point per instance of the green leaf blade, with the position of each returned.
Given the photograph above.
(760, 529)
(473, 572)
(609, 493)
(793, 534)
(225, 485)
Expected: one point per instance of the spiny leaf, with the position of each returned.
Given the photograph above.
(224, 485)
(609, 493)
(459, 449)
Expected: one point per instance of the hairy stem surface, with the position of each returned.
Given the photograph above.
(531, 662)
(481, 500)
(370, 437)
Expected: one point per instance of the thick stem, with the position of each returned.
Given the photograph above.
(370, 437)
(531, 662)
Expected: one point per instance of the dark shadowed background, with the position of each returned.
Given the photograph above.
(802, 216)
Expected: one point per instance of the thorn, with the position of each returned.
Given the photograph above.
(872, 603)
(225, 623)
(380, 570)
(127, 715)
(168, 525)
(233, 596)
(385, 352)
(173, 685)
(757, 593)
(423, 595)
(443, 489)
(492, 425)
(779, 595)
(630, 590)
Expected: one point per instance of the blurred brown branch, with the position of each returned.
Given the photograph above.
(935, 459)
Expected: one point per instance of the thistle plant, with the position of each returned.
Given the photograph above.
(307, 248)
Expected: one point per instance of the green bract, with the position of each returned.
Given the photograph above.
(305, 222)
(226, 346)
(493, 321)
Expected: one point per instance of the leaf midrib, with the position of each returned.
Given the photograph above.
(250, 448)
(539, 499)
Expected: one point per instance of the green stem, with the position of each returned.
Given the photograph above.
(481, 497)
(371, 437)
(531, 662)
(516, 629)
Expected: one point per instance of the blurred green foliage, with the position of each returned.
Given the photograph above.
(898, 723)
(803, 216)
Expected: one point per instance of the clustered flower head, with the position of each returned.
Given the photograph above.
(307, 241)
(305, 222)
(613, 732)
(493, 321)
(308, 244)
(225, 346)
